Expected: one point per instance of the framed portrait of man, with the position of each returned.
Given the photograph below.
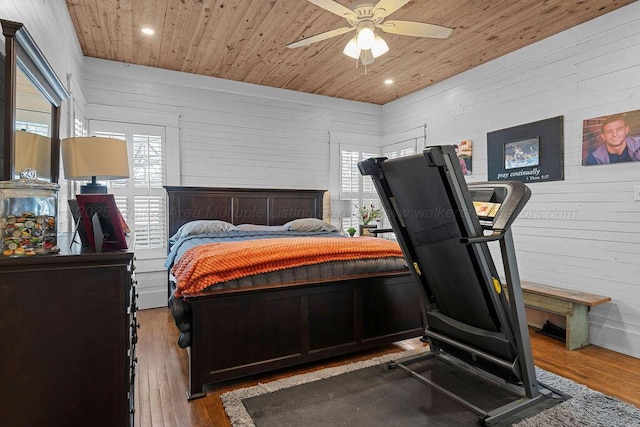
(611, 139)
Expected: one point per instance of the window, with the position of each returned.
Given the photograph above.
(148, 193)
(79, 127)
(141, 197)
(360, 189)
(37, 128)
(399, 149)
(353, 186)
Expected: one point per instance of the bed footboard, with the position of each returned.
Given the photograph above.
(236, 334)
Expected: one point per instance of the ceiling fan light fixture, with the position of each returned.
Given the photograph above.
(380, 47)
(364, 19)
(366, 36)
(351, 49)
(366, 57)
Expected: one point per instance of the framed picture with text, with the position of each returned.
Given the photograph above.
(532, 152)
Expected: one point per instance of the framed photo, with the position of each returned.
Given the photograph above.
(611, 139)
(532, 152)
(518, 154)
(365, 230)
(78, 223)
(464, 151)
(102, 222)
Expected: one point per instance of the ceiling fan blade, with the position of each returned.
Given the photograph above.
(415, 29)
(389, 6)
(320, 37)
(334, 7)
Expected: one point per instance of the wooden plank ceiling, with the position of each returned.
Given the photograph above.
(245, 40)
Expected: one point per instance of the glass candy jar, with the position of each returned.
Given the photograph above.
(28, 216)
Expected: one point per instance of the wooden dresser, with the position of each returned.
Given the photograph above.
(68, 331)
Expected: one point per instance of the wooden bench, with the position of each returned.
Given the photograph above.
(574, 305)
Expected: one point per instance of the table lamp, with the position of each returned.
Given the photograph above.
(341, 209)
(94, 158)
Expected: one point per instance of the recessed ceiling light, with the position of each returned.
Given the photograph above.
(148, 31)
(388, 81)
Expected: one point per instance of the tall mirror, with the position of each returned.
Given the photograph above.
(33, 95)
(32, 129)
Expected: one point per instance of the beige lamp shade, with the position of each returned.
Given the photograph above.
(93, 157)
(32, 151)
(341, 208)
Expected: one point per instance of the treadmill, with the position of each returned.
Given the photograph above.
(443, 227)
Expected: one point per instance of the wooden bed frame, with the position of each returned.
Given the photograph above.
(241, 332)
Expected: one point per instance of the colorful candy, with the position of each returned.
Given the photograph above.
(28, 234)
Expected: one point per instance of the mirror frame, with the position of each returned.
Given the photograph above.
(21, 50)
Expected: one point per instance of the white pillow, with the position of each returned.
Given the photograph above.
(309, 224)
(202, 226)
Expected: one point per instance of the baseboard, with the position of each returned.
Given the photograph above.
(152, 298)
(615, 339)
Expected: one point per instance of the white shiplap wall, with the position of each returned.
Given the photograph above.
(235, 134)
(230, 134)
(582, 233)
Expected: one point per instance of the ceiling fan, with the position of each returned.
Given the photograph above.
(364, 19)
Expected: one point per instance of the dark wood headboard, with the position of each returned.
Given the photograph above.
(241, 205)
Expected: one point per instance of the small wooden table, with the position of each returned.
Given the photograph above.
(574, 305)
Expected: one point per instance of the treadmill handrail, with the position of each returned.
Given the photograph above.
(496, 235)
(517, 195)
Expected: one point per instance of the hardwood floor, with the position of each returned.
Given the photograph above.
(162, 374)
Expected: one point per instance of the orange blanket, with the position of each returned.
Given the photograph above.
(211, 263)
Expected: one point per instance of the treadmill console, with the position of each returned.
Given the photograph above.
(497, 204)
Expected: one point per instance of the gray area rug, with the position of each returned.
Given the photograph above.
(337, 397)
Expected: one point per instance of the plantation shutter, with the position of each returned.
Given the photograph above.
(148, 194)
(353, 186)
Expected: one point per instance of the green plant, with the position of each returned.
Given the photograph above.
(351, 231)
(366, 214)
